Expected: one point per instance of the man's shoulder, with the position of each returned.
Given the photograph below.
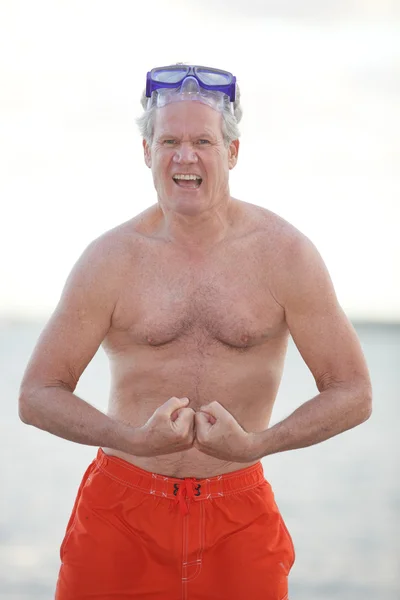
(121, 240)
(272, 229)
(110, 256)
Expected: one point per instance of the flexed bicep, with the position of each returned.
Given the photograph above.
(320, 329)
(78, 325)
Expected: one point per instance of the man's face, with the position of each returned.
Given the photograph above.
(188, 141)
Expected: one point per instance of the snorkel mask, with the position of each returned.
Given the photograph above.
(178, 83)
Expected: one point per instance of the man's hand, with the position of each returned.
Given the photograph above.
(169, 429)
(220, 435)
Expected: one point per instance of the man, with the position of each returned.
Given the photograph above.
(193, 301)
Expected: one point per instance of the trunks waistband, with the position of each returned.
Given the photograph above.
(180, 489)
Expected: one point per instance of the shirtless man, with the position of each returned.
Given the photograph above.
(193, 301)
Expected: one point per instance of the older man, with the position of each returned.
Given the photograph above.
(193, 301)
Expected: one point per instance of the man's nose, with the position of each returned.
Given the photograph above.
(185, 154)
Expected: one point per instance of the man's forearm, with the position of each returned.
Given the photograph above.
(333, 411)
(61, 413)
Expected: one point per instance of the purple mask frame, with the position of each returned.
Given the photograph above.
(195, 71)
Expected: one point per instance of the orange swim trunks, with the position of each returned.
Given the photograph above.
(138, 535)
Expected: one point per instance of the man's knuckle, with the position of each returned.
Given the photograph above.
(181, 435)
(200, 437)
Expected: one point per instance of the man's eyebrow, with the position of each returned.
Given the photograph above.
(165, 134)
(202, 134)
(205, 134)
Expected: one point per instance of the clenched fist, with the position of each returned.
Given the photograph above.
(218, 434)
(169, 429)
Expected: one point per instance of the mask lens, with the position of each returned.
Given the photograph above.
(169, 74)
(210, 77)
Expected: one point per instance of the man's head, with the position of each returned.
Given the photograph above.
(190, 130)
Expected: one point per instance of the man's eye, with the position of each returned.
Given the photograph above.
(169, 142)
(203, 142)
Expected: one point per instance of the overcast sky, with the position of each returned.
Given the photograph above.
(319, 145)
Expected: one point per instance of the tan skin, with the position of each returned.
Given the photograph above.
(193, 301)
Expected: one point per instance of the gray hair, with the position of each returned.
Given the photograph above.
(230, 120)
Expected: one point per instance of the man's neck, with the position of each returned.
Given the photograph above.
(200, 231)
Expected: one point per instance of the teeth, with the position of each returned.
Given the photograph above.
(186, 177)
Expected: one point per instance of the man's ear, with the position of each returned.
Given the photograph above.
(233, 153)
(147, 153)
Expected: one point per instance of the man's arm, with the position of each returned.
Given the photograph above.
(66, 346)
(328, 344)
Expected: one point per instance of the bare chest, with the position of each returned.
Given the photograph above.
(228, 303)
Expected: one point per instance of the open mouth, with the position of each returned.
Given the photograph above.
(190, 182)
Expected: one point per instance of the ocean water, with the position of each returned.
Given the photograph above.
(340, 499)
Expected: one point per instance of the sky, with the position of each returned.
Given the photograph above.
(319, 136)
